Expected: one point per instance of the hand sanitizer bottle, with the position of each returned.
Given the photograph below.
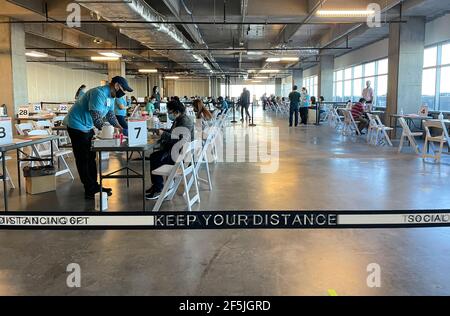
(441, 116)
(401, 111)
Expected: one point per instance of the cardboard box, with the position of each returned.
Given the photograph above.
(37, 185)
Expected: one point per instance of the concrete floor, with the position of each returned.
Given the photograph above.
(318, 169)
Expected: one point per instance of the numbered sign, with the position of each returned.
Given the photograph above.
(36, 108)
(63, 108)
(5, 131)
(24, 112)
(137, 132)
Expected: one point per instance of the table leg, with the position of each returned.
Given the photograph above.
(18, 171)
(51, 153)
(5, 197)
(101, 180)
(128, 171)
(143, 180)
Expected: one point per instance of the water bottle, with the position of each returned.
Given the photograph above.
(401, 111)
(441, 116)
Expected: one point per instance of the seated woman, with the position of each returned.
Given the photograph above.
(201, 112)
(177, 114)
(222, 106)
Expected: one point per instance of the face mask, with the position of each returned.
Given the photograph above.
(119, 93)
(172, 117)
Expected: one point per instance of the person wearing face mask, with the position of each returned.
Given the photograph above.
(80, 92)
(157, 97)
(87, 113)
(176, 113)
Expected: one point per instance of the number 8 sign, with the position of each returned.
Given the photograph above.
(137, 132)
(5, 131)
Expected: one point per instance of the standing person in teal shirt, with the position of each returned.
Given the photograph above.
(294, 98)
(120, 108)
(304, 106)
(87, 113)
(150, 106)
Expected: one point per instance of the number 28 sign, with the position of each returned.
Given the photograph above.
(137, 132)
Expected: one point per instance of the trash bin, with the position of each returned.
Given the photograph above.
(39, 179)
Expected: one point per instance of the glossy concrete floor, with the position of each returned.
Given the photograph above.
(318, 169)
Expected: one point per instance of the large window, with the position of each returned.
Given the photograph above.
(350, 82)
(255, 89)
(436, 77)
(312, 85)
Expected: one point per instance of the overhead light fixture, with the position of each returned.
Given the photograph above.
(111, 54)
(254, 53)
(256, 81)
(269, 71)
(345, 13)
(36, 54)
(104, 58)
(171, 77)
(261, 77)
(148, 71)
(278, 59)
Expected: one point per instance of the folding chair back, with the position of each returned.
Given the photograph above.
(429, 139)
(23, 128)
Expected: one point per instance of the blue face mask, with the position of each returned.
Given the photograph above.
(172, 117)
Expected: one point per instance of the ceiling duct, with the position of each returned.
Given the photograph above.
(153, 35)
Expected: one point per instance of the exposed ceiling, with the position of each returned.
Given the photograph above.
(205, 37)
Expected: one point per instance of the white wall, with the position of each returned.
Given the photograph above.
(377, 50)
(53, 83)
(312, 71)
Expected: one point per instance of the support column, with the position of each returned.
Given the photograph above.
(326, 70)
(14, 66)
(297, 78)
(116, 68)
(278, 87)
(406, 49)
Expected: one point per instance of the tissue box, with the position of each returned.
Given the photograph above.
(37, 185)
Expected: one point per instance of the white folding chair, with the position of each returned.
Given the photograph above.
(407, 134)
(350, 125)
(23, 128)
(384, 137)
(372, 130)
(183, 170)
(8, 176)
(43, 124)
(44, 151)
(441, 139)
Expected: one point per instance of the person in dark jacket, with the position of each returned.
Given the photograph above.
(177, 113)
(245, 103)
(294, 98)
(157, 97)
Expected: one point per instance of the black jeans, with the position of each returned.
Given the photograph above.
(304, 114)
(293, 112)
(245, 106)
(84, 158)
(157, 159)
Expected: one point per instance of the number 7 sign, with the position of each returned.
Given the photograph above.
(137, 132)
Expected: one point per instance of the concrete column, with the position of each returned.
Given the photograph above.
(278, 86)
(326, 70)
(297, 78)
(116, 68)
(14, 66)
(406, 48)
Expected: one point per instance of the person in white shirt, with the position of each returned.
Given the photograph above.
(367, 94)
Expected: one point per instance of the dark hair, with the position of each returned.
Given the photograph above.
(176, 106)
(362, 100)
(295, 88)
(321, 98)
(154, 89)
(79, 90)
(313, 100)
(220, 99)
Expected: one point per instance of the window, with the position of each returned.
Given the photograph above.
(350, 82)
(435, 77)
(312, 85)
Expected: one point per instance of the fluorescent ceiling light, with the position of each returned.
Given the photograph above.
(256, 81)
(261, 77)
(147, 71)
(254, 53)
(278, 59)
(111, 54)
(104, 58)
(171, 77)
(269, 71)
(36, 54)
(345, 13)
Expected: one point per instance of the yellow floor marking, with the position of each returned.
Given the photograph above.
(332, 292)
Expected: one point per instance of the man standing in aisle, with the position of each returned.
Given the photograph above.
(294, 98)
(245, 104)
(87, 113)
(304, 106)
(367, 95)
